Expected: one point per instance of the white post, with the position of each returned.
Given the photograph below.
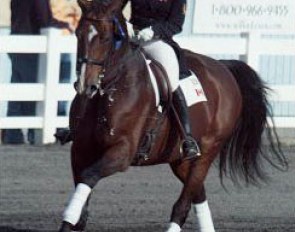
(51, 72)
(253, 47)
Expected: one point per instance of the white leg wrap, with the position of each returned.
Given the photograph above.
(73, 211)
(204, 218)
(173, 227)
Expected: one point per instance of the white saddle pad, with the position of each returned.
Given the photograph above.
(192, 90)
(191, 87)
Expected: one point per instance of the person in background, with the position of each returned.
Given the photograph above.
(67, 11)
(157, 21)
(27, 18)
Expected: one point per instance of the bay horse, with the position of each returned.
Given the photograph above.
(115, 122)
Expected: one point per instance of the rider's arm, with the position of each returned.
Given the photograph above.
(124, 3)
(173, 25)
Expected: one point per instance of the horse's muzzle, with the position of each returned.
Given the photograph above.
(91, 91)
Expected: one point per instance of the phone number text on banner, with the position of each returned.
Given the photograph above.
(232, 16)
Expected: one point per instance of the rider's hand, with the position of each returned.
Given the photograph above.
(146, 34)
(130, 31)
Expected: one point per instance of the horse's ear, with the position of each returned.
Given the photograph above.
(113, 4)
(85, 4)
(104, 2)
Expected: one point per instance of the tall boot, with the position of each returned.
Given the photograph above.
(190, 147)
(64, 136)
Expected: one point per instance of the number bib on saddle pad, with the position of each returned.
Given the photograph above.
(191, 87)
(192, 90)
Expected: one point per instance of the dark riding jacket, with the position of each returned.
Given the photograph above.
(166, 17)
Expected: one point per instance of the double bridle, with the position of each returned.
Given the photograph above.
(85, 60)
(117, 43)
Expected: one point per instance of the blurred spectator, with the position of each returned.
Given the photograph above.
(27, 18)
(67, 11)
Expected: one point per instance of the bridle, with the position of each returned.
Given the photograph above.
(117, 43)
(90, 61)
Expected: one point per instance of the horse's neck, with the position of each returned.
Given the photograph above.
(118, 55)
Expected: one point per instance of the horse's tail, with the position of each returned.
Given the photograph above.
(242, 154)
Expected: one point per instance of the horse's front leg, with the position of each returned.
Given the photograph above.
(114, 160)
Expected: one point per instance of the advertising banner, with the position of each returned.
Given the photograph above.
(235, 16)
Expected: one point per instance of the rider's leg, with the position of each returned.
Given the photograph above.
(160, 51)
(63, 135)
(190, 146)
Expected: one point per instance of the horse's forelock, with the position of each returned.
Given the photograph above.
(105, 2)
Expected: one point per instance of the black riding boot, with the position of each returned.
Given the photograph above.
(63, 136)
(190, 147)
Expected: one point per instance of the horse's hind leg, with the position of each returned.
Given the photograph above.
(192, 175)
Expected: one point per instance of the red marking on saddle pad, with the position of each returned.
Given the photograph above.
(199, 92)
(192, 90)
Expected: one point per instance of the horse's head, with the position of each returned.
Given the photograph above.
(100, 33)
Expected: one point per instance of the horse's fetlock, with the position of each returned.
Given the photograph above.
(124, 166)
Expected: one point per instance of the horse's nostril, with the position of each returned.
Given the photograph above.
(93, 88)
(76, 85)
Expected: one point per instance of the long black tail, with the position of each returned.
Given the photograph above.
(243, 153)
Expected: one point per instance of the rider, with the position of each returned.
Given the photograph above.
(157, 22)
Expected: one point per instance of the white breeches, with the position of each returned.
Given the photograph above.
(165, 55)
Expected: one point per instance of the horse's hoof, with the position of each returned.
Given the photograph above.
(81, 225)
(65, 227)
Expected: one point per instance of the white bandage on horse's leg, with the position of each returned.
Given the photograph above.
(204, 218)
(173, 227)
(73, 211)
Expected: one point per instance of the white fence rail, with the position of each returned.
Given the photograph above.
(53, 44)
